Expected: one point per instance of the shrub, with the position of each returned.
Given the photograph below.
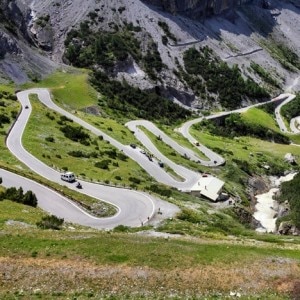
(17, 195)
(103, 164)
(135, 180)
(49, 116)
(50, 222)
(49, 139)
(164, 40)
(77, 153)
(160, 190)
(4, 119)
(121, 228)
(122, 156)
(189, 215)
(30, 199)
(112, 153)
(75, 134)
(165, 27)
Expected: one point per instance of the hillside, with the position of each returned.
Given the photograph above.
(254, 36)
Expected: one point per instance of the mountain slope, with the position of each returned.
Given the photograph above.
(255, 34)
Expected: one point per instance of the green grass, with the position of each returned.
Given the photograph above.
(19, 212)
(170, 153)
(242, 147)
(260, 117)
(113, 128)
(115, 248)
(70, 87)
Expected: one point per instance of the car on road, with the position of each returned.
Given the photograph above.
(133, 146)
(68, 176)
(161, 164)
(26, 106)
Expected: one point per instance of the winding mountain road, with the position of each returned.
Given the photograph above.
(134, 208)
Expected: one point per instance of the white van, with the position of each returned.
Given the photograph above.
(68, 176)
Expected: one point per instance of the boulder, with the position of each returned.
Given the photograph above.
(287, 228)
(290, 158)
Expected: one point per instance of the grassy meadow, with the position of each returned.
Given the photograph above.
(87, 264)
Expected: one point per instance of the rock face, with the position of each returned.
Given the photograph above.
(286, 228)
(196, 9)
(14, 14)
(7, 44)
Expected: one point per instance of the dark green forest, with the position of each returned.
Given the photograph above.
(206, 73)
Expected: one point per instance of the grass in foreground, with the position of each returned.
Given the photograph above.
(89, 264)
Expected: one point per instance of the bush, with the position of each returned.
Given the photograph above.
(75, 134)
(189, 215)
(103, 164)
(50, 222)
(122, 156)
(121, 228)
(160, 190)
(17, 195)
(135, 180)
(49, 116)
(50, 139)
(4, 119)
(165, 27)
